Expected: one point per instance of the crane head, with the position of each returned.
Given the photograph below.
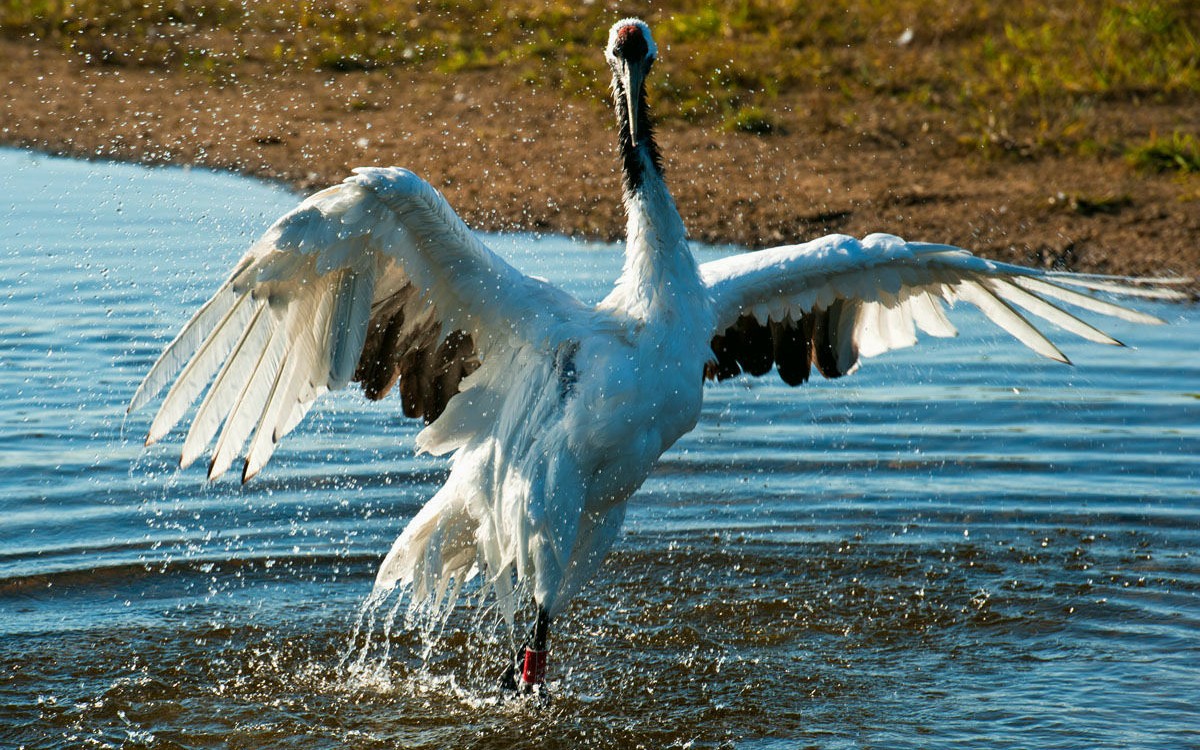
(630, 52)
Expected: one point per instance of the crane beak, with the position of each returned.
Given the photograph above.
(633, 74)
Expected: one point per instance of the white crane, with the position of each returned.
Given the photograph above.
(554, 411)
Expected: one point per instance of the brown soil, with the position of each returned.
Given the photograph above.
(509, 156)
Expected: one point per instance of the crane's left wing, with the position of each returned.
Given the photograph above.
(837, 299)
(375, 281)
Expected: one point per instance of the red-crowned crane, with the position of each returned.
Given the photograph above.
(554, 411)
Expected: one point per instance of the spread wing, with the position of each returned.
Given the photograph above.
(375, 280)
(834, 300)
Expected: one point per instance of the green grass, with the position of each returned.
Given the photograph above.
(1018, 77)
(1092, 205)
(1178, 153)
(752, 120)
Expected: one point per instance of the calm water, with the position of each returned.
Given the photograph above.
(960, 546)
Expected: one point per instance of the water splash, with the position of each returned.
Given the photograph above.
(366, 665)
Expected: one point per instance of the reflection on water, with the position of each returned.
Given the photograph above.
(958, 546)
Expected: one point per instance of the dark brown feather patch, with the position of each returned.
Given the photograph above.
(792, 349)
(399, 349)
(753, 346)
(820, 337)
(824, 335)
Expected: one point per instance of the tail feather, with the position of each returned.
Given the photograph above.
(442, 533)
(510, 515)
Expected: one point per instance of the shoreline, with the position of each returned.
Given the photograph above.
(511, 157)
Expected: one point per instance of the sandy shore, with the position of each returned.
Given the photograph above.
(511, 157)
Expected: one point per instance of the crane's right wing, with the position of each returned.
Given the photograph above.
(375, 280)
(836, 299)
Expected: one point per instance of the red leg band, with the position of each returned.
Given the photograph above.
(534, 672)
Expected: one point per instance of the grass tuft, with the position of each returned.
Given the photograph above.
(754, 120)
(1178, 153)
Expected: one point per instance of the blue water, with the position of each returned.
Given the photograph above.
(959, 546)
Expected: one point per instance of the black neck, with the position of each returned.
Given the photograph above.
(633, 158)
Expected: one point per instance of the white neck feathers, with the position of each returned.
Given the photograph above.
(659, 266)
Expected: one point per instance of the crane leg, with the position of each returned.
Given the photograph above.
(526, 672)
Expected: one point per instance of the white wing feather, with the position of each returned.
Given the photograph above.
(889, 288)
(291, 321)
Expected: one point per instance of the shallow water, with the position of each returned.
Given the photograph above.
(959, 546)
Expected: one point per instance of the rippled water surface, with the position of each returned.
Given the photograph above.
(960, 546)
